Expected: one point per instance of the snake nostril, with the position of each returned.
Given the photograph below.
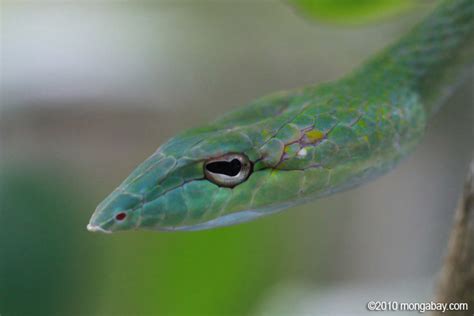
(120, 216)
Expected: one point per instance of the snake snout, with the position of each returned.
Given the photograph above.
(119, 211)
(96, 228)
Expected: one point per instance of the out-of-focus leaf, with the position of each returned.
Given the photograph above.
(47, 265)
(350, 11)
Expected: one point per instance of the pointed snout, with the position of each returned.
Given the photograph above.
(116, 212)
(95, 228)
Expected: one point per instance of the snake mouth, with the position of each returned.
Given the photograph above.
(227, 220)
(95, 228)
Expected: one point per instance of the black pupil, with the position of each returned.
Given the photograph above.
(229, 168)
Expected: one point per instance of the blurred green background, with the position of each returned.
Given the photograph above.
(90, 89)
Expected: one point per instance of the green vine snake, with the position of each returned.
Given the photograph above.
(294, 146)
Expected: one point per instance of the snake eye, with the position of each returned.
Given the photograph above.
(228, 170)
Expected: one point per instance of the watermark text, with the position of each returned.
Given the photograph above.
(382, 306)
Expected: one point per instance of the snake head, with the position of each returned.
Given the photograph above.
(186, 184)
(202, 178)
(219, 175)
(210, 177)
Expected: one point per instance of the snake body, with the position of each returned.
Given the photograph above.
(301, 144)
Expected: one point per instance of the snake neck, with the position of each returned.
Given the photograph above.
(430, 60)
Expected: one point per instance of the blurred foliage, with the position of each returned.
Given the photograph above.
(350, 11)
(217, 272)
(45, 267)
